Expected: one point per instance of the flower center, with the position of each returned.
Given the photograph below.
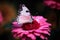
(30, 26)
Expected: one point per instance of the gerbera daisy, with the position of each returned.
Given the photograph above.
(28, 28)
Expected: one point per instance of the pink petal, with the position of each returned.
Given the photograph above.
(31, 36)
(20, 35)
(1, 18)
(41, 36)
(19, 30)
(37, 34)
(14, 35)
(15, 24)
(44, 32)
(23, 38)
(39, 18)
(26, 32)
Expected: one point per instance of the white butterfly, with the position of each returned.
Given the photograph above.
(24, 15)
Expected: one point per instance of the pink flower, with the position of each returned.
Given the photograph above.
(39, 27)
(52, 3)
(1, 18)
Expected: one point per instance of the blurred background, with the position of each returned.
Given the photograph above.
(50, 9)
